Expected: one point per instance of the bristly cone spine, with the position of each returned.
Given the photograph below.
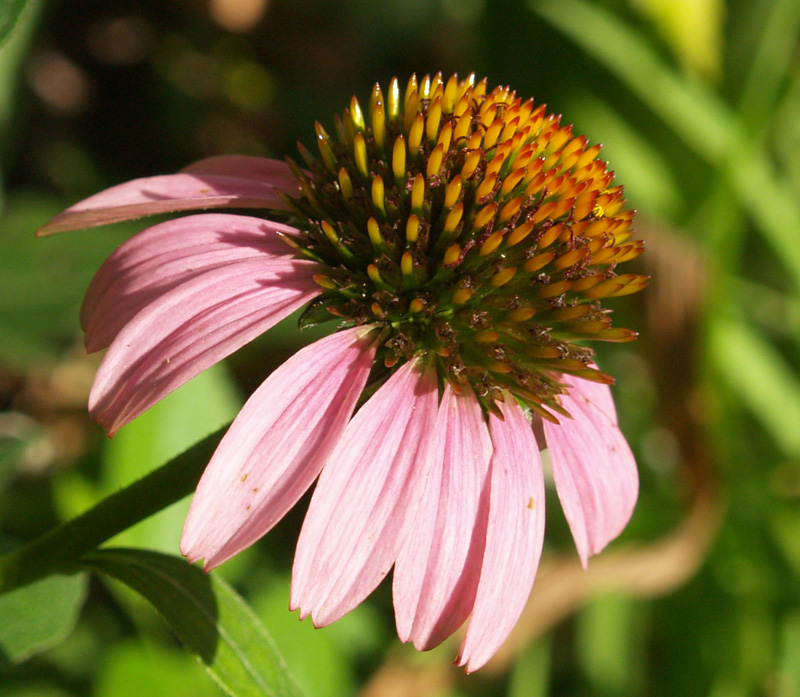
(472, 228)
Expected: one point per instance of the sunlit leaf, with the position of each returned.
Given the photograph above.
(208, 617)
(38, 616)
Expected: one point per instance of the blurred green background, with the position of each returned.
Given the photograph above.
(697, 103)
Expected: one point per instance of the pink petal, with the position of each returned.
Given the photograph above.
(245, 167)
(277, 445)
(174, 192)
(166, 255)
(367, 497)
(514, 536)
(436, 574)
(192, 327)
(593, 467)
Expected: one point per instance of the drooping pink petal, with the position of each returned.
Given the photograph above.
(192, 327)
(174, 192)
(593, 467)
(277, 445)
(437, 571)
(166, 255)
(514, 536)
(366, 497)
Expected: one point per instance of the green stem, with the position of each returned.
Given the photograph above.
(59, 550)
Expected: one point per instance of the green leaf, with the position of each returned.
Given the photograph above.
(11, 11)
(760, 377)
(39, 616)
(208, 617)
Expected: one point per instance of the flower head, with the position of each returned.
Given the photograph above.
(462, 240)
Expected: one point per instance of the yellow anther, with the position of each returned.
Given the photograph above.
(510, 209)
(379, 125)
(434, 120)
(453, 218)
(330, 233)
(459, 111)
(570, 258)
(356, 115)
(399, 160)
(492, 242)
(492, 134)
(503, 277)
(471, 162)
(451, 254)
(393, 103)
(485, 215)
(511, 182)
(324, 145)
(539, 261)
(453, 192)
(412, 110)
(435, 161)
(418, 194)
(407, 264)
(521, 314)
(374, 274)
(412, 229)
(360, 152)
(378, 192)
(446, 136)
(554, 289)
(416, 306)
(377, 310)
(486, 187)
(375, 98)
(345, 184)
(486, 336)
(518, 234)
(461, 296)
(450, 94)
(462, 127)
(324, 281)
(550, 235)
(415, 132)
(374, 232)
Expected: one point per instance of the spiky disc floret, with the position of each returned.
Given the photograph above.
(471, 227)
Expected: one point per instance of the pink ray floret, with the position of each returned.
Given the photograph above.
(436, 475)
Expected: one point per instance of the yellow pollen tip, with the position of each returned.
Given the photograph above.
(471, 162)
(360, 153)
(379, 126)
(451, 255)
(374, 274)
(399, 160)
(453, 218)
(539, 261)
(510, 209)
(503, 277)
(407, 264)
(485, 216)
(416, 306)
(521, 314)
(434, 120)
(461, 296)
(418, 194)
(491, 243)
(453, 192)
(415, 134)
(378, 192)
(518, 234)
(374, 233)
(486, 336)
(324, 281)
(412, 229)
(346, 184)
(435, 160)
(330, 233)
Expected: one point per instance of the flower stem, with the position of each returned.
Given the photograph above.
(58, 550)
